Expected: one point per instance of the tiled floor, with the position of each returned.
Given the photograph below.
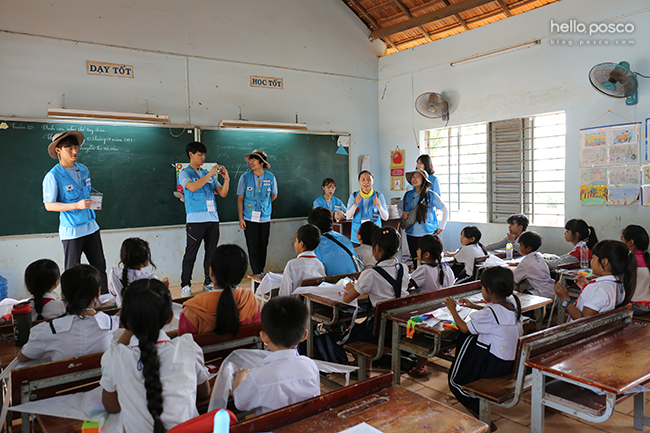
(516, 419)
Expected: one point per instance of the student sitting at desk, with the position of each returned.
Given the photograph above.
(487, 345)
(152, 380)
(327, 200)
(306, 265)
(615, 271)
(335, 251)
(434, 275)
(636, 239)
(533, 268)
(284, 377)
(83, 330)
(365, 204)
(517, 224)
(470, 248)
(580, 235)
(41, 277)
(227, 307)
(364, 250)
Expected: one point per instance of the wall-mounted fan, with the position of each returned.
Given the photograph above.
(432, 105)
(615, 80)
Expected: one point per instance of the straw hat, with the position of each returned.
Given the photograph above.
(260, 154)
(424, 174)
(60, 136)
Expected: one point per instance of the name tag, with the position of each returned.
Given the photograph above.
(88, 182)
(256, 216)
(266, 182)
(210, 204)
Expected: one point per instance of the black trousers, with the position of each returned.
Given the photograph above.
(91, 246)
(412, 242)
(208, 233)
(257, 241)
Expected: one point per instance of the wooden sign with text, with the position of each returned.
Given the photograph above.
(267, 82)
(109, 69)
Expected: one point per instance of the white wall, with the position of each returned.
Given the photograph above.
(542, 79)
(192, 61)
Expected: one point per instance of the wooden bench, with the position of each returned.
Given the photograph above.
(506, 391)
(385, 309)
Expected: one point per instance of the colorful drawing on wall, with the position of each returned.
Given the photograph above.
(624, 154)
(645, 175)
(594, 156)
(595, 138)
(645, 195)
(623, 195)
(593, 195)
(625, 135)
(623, 175)
(593, 176)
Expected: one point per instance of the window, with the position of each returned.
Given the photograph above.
(488, 171)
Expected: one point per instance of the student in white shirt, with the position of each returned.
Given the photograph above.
(488, 342)
(284, 377)
(471, 248)
(41, 278)
(134, 255)
(580, 234)
(533, 267)
(152, 380)
(83, 330)
(364, 250)
(517, 224)
(615, 271)
(636, 239)
(306, 265)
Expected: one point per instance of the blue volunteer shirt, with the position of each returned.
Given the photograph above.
(335, 259)
(200, 217)
(334, 205)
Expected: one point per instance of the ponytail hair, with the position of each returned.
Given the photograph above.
(474, 232)
(134, 253)
(500, 280)
(622, 264)
(423, 201)
(80, 287)
(639, 236)
(388, 241)
(146, 308)
(41, 276)
(584, 231)
(432, 244)
(228, 267)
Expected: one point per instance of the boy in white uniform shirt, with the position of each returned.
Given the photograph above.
(284, 377)
(533, 267)
(306, 265)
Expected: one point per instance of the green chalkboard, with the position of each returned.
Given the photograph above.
(299, 162)
(132, 165)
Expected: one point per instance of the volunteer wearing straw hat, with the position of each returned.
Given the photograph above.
(256, 189)
(421, 203)
(66, 189)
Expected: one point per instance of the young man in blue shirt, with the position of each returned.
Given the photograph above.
(66, 189)
(200, 187)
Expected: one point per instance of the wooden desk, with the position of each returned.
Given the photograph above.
(373, 401)
(345, 227)
(427, 341)
(8, 351)
(612, 362)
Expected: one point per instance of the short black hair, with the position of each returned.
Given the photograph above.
(68, 141)
(322, 218)
(365, 171)
(195, 146)
(531, 240)
(284, 320)
(366, 230)
(520, 219)
(80, 286)
(309, 234)
(329, 181)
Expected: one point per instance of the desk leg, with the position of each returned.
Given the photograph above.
(539, 318)
(310, 330)
(561, 318)
(640, 420)
(537, 406)
(395, 354)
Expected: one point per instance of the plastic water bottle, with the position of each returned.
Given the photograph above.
(509, 251)
(221, 422)
(3, 287)
(584, 257)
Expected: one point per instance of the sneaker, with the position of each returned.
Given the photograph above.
(208, 287)
(186, 291)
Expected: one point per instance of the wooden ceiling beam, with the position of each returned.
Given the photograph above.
(419, 20)
(458, 17)
(373, 22)
(504, 7)
(404, 9)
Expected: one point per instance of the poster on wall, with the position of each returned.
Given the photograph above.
(610, 157)
(397, 170)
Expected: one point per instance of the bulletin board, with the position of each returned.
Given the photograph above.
(613, 164)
